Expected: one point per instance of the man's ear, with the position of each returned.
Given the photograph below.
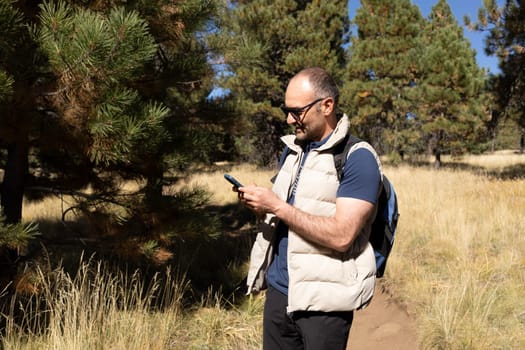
(327, 106)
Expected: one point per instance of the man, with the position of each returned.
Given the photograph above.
(313, 253)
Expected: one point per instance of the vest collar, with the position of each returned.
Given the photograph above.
(337, 136)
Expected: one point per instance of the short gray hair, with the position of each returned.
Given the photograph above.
(322, 82)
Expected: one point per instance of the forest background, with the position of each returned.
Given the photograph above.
(106, 105)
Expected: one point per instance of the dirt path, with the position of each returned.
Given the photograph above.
(383, 325)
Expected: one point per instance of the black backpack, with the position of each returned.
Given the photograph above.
(385, 222)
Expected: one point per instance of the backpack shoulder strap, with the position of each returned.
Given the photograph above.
(341, 153)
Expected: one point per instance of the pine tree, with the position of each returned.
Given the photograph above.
(15, 56)
(506, 40)
(451, 113)
(266, 43)
(13, 235)
(379, 93)
(10, 27)
(108, 81)
(102, 94)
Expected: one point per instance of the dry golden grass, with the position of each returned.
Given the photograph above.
(53, 206)
(459, 257)
(49, 208)
(458, 264)
(213, 327)
(459, 260)
(220, 189)
(99, 309)
(491, 161)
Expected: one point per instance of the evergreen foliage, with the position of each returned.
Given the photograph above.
(264, 44)
(10, 26)
(104, 92)
(12, 235)
(13, 35)
(413, 85)
(94, 57)
(383, 70)
(18, 235)
(494, 112)
(6, 83)
(451, 117)
(506, 40)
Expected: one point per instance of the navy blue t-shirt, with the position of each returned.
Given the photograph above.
(361, 180)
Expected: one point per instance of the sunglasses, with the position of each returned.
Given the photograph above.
(296, 112)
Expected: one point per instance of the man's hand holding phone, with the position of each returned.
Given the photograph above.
(236, 184)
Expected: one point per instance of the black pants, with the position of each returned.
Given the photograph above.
(308, 330)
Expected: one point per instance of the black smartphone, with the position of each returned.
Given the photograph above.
(232, 180)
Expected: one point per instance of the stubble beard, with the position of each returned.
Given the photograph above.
(300, 134)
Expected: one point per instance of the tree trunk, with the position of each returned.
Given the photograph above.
(12, 192)
(434, 149)
(493, 140)
(154, 184)
(13, 186)
(522, 141)
(437, 154)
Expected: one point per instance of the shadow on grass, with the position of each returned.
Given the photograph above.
(219, 264)
(213, 266)
(511, 172)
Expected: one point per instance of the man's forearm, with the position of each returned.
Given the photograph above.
(335, 232)
(326, 231)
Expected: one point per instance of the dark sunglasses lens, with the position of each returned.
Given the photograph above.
(295, 114)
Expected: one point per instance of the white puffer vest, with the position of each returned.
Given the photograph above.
(320, 279)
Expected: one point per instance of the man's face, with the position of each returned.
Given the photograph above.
(303, 110)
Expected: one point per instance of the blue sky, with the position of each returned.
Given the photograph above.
(459, 9)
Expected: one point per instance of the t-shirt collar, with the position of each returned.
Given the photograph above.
(316, 144)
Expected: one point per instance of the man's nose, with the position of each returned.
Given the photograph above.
(290, 119)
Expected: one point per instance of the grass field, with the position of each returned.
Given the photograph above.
(458, 265)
